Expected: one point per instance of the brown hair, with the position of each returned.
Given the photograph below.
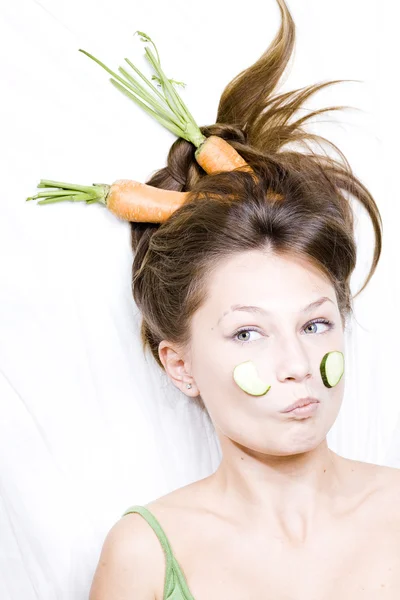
(299, 204)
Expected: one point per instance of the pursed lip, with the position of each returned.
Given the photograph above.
(300, 402)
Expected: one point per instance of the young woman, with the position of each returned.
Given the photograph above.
(245, 298)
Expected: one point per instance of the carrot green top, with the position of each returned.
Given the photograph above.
(175, 585)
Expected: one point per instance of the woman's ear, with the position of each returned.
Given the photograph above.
(177, 367)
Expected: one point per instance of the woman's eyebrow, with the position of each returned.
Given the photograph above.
(263, 311)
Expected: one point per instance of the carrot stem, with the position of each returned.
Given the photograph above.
(55, 193)
(165, 84)
(167, 107)
(139, 89)
(146, 96)
(147, 38)
(77, 197)
(164, 80)
(123, 81)
(70, 191)
(176, 130)
(151, 86)
(62, 184)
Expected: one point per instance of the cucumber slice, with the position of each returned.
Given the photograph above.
(332, 368)
(245, 375)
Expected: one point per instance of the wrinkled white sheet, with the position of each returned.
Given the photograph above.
(88, 425)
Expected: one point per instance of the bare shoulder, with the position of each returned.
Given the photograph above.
(125, 566)
(391, 484)
(387, 478)
(386, 509)
(384, 485)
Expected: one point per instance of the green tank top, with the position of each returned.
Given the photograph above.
(175, 584)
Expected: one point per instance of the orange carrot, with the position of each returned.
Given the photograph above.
(135, 201)
(127, 199)
(216, 154)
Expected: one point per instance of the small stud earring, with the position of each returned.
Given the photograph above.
(188, 385)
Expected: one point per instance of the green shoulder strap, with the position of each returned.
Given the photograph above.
(172, 566)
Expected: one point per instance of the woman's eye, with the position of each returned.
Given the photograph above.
(311, 327)
(243, 331)
(316, 322)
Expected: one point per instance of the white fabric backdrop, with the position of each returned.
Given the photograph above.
(88, 424)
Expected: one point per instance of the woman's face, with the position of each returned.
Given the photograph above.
(286, 346)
